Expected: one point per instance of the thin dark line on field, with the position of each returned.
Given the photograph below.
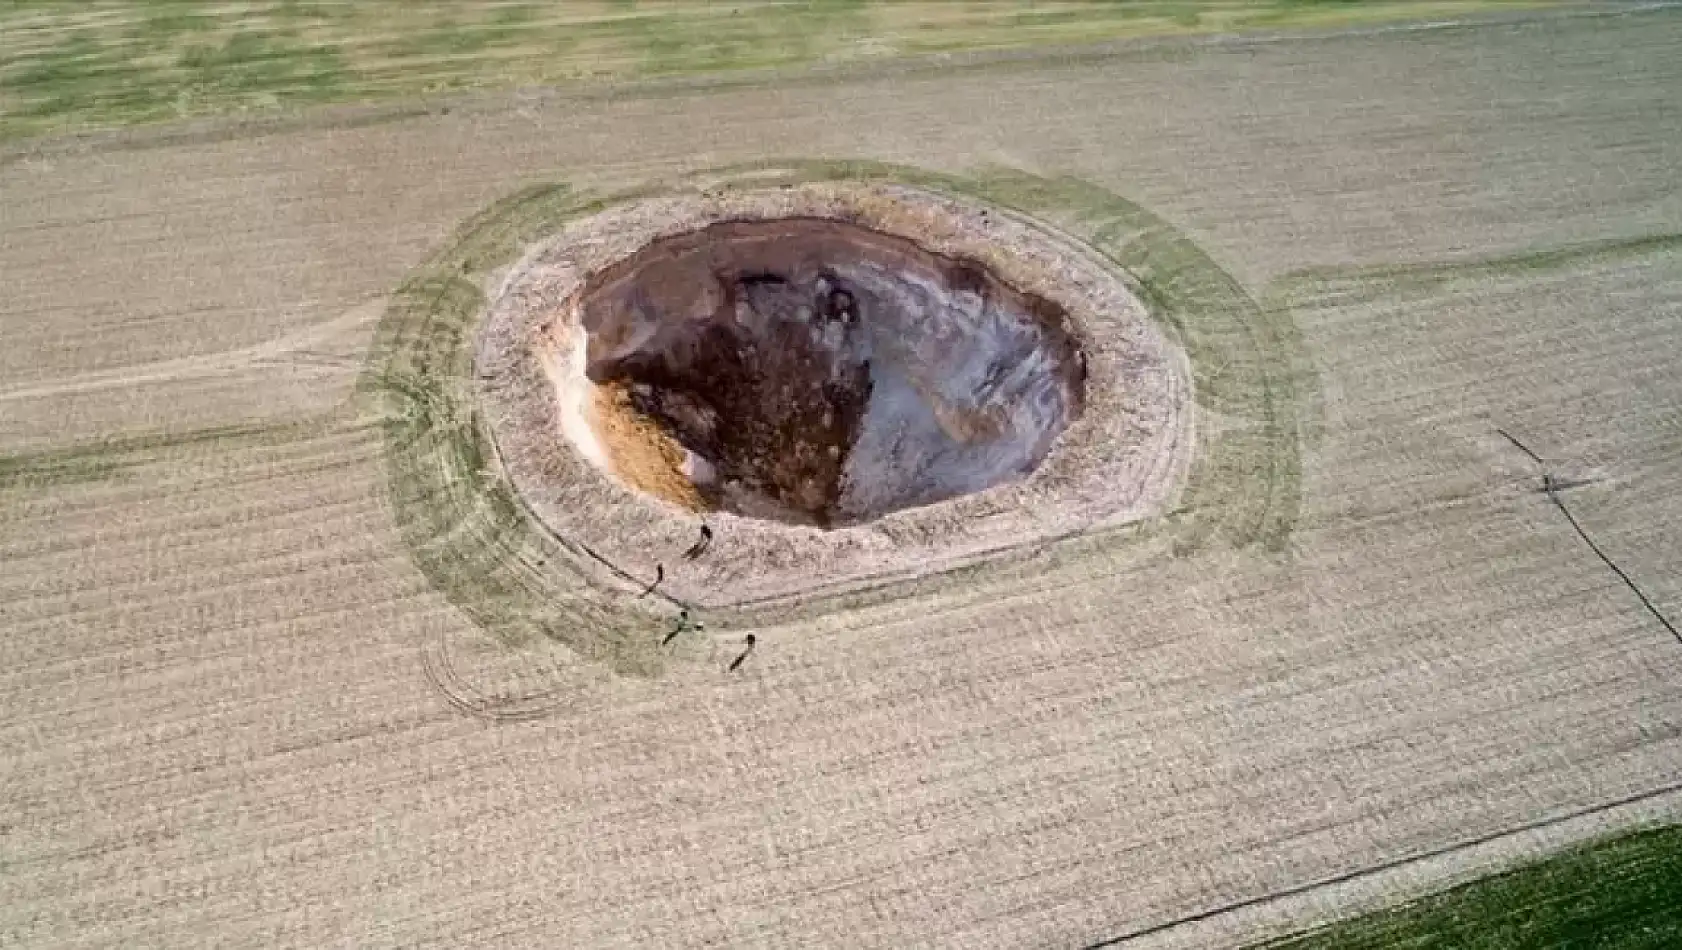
(1553, 495)
(1383, 278)
(441, 672)
(1551, 487)
(1390, 865)
(101, 459)
(160, 440)
(878, 581)
(572, 545)
(1503, 433)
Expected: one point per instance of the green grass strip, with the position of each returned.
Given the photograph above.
(69, 65)
(1621, 894)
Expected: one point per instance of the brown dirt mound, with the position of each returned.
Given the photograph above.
(644, 454)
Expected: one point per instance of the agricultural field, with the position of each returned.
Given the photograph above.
(69, 65)
(1620, 893)
(286, 662)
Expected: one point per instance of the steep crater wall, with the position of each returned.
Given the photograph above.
(842, 381)
(814, 371)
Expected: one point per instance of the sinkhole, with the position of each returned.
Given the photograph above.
(817, 372)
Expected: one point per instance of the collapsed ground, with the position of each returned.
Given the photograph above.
(812, 371)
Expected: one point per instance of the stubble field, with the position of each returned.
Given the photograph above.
(242, 707)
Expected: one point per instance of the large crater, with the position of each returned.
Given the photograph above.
(843, 382)
(812, 371)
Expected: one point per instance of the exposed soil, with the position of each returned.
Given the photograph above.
(845, 381)
(818, 372)
(218, 730)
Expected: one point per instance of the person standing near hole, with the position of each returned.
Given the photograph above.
(699, 547)
(750, 640)
(684, 625)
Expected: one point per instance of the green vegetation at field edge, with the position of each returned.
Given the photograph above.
(1621, 894)
(70, 65)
